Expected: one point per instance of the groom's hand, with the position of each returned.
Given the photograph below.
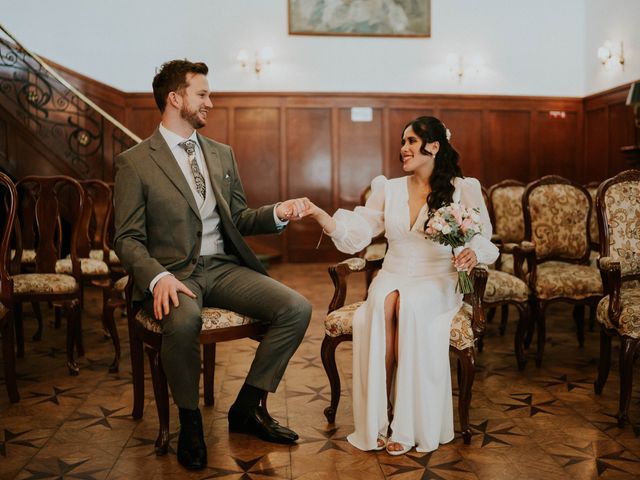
(294, 209)
(167, 289)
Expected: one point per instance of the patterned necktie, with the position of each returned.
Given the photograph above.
(190, 147)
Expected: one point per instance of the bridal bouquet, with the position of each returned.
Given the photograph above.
(454, 225)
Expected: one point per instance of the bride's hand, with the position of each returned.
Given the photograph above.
(465, 260)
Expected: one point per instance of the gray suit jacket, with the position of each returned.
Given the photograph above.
(157, 222)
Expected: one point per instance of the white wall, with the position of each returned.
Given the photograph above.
(616, 20)
(529, 48)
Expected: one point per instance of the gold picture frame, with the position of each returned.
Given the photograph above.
(360, 18)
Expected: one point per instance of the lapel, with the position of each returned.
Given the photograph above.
(163, 157)
(212, 160)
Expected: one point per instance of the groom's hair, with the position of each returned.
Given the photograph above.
(172, 77)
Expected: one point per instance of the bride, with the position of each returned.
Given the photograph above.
(401, 333)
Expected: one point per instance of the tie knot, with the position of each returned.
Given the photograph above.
(189, 146)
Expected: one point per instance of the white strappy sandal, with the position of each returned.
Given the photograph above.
(405, 448)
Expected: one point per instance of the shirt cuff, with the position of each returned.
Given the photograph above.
(155, 280)
(280, 224)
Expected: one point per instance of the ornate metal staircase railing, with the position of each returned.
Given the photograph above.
(71, 125)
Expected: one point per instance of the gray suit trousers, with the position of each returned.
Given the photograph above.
(220, 281)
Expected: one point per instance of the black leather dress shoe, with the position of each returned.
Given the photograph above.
(259, 423)
(192, 451)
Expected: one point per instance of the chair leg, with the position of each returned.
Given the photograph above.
(542, 331)
(209, 366)
(504, 319)
(480, 342)
(137, 373)
(578, 318)
(531, 328)
(490, 315)
(605, 361)
(109, 322)
(19, 328)
(328, 355)
(9, 358)
(38, 313)
(73, 327)
(628, 347)
(466, 375)
(521, 330)
(161, 394)
(592, 316)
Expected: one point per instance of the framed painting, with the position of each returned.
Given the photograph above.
(369, 18)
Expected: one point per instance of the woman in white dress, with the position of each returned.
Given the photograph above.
(405, 322)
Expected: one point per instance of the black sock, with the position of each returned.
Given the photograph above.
(249, 397)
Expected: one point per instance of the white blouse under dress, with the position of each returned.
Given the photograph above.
(423, 274)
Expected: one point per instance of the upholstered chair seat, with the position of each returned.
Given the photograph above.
(88, 266)
(212, 319)
(28, 256)
(99, 255)
(43, 283)
(339, 322)
(375, 251)
(502, 286)
(561, 279)
(629, 319)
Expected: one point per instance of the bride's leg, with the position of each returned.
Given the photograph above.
(390, 342)
(394, 446)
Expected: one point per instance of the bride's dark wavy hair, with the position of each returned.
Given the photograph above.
(446, 167)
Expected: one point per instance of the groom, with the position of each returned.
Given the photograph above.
(180, 213)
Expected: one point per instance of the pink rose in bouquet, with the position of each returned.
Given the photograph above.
(454, 225)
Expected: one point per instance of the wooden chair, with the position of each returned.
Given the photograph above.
(592, 188)
(467, 326)
(218, 325)
(618, 205)
(8, 202)
(556, 214)
(45, 284)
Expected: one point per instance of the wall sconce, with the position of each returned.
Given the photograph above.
(611, 55)
(262, 58)
(458, 66)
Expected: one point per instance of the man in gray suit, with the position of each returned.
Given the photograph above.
(180, 213)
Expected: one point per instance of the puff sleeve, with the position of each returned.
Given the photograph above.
(355, 229)
(471, 197)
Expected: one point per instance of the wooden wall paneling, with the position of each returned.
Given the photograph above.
(217, 126)
(556, 145)
(467, 138)
(398, 118)
(360, 156)
(596, 144)
(309, 153)
(621, 133)
(508, 146)
(257, 152)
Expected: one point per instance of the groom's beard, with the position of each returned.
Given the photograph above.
(191, 116)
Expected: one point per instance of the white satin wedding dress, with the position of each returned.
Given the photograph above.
(423, 274)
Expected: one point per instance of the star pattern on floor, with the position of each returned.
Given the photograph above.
(431, 470)
(329, 438)
(583, 383)
(55, 397)
(316, 393)
(245, 469)
(492, 435)
(589, 454)
(58, 468)
(150, 442)
(307, 362)
(525, 401)
(102, 419)
(17, 438)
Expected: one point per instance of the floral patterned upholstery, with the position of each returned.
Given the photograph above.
(593, 219)
(561, 279)
(559, 216)
(339, 323)
(502, 286)
(99, 255)
(121, 284)
(507, 210)
(88, 266)
(375, 251)
(28, 256)
(43, 283)
(629, 321)
(212, 319)
(355, 264)
(622, 204)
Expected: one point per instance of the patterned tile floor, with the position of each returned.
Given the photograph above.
(540, 423)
